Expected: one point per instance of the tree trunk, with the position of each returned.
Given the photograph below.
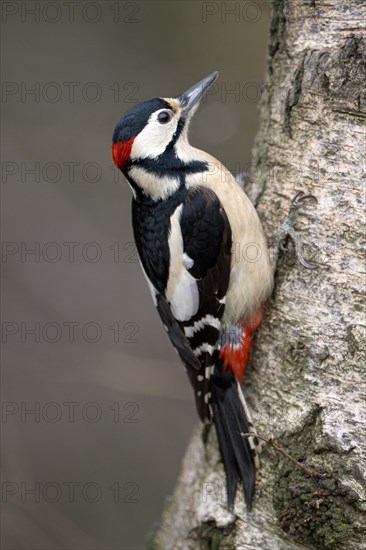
(304, 381)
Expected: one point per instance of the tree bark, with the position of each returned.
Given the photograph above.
(304, 382)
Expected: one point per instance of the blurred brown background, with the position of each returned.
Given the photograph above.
(91, 466)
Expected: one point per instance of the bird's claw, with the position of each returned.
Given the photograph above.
(287, 229)
(304, 263)
(297, 201)
(301, 196)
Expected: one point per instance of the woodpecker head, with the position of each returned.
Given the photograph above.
(150, 141)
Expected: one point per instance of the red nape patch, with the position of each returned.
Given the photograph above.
(236, 358)
(121, 152)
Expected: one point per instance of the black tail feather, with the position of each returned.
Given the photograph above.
(231, 422)
(227, 454)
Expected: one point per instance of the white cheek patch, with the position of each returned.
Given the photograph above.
(154, 138)
(183, 149)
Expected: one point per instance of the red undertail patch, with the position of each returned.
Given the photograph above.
(235, 356)
(121, 152)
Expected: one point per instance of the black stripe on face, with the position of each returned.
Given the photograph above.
(176, 136)
(168, 164)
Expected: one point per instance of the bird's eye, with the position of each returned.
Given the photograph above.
(164, 117)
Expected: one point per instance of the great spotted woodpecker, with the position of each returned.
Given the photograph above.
(188, 213)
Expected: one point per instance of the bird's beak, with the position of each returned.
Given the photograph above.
(191, 97)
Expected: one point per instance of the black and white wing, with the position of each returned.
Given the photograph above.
(194, 300)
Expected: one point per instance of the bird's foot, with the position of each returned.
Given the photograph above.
(287, 229)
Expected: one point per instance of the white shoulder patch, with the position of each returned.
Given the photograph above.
(187, 261)
(182, 291)
(185, 298)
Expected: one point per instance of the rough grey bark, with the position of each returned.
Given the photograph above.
(305, 379)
